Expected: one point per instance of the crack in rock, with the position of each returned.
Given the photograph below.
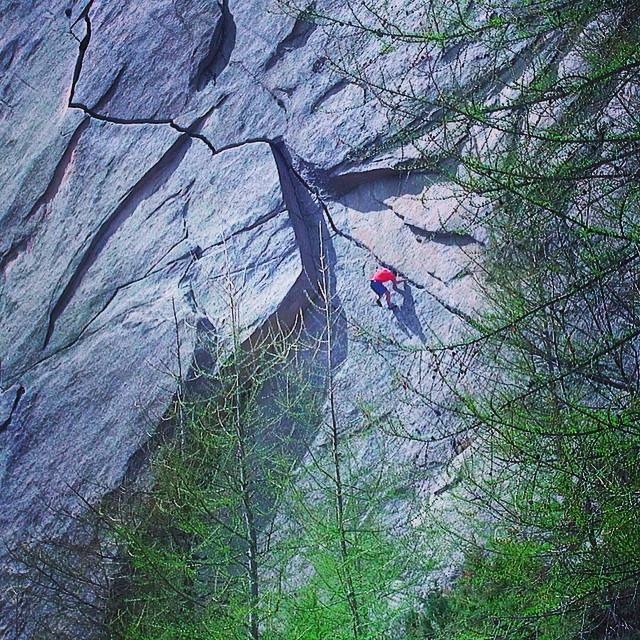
(328, 94)
(154, 269)
(219, 51)
(170, 198)
(297, 38)
(82, 47)
(271, 92)
(344, 183)
(20, 244)
(73, 343)
(194, 253)
(8, 409)
(300, 200)
(315, 193)
(254, 225)
(93, 112)
(447, 238)
(440, 236)
(361, 245)
(192, 131)
(154, 178)
(288, 172)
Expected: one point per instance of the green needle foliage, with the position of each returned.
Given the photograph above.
(195, 540)
(353, 574)
(229, 542)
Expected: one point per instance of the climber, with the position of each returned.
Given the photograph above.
(378, 279)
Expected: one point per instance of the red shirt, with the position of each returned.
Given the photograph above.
(384, 275)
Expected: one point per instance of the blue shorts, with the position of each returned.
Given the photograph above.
(378, 287)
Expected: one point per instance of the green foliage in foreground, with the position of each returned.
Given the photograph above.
(565, 562)
(208, 558)
(318, 609)
(362, 594)
(192, 540)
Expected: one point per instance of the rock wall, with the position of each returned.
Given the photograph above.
(160, 159)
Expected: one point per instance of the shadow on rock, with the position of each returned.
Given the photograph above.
(406, 314)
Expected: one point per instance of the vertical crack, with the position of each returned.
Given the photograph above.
(94, 112)
(221, 47)
(6, 423)
(82, 47)
(307, 235)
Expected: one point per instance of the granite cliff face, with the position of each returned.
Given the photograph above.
(160, 157)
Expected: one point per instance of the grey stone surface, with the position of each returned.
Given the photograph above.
(161, 159)
(9, 400)
(171, 52)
